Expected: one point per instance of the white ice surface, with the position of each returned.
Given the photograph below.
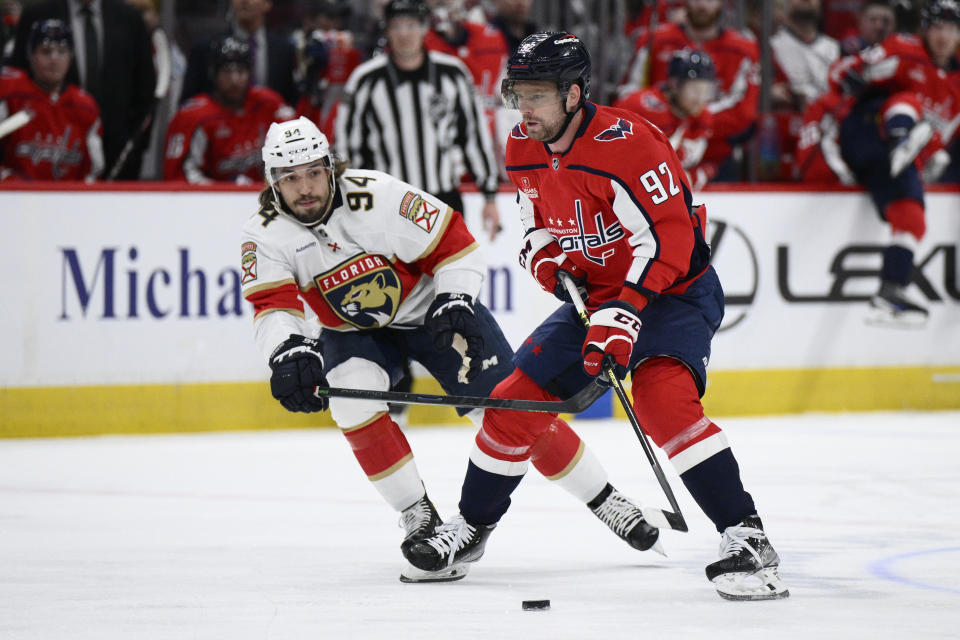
(279, 535)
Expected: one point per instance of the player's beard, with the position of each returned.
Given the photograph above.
(547, 129)
(310, 213)
(702, 19)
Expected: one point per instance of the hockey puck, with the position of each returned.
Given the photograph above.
(536, 605)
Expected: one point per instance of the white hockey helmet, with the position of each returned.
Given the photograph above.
(292, 144)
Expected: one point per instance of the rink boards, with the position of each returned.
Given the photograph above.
(125, 312)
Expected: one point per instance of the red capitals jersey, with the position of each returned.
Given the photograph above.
(818, 152)
(901, 64)
(617, 201)
(688, 135)
(62, 141)
(209, 142)
(484, 52)
(737, 60)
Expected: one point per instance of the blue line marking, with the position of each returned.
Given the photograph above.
(884, 569)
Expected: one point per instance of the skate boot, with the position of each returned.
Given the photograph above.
(747, 568)
(892, 308)
(625, 519)
(420, 520)
(452, 547)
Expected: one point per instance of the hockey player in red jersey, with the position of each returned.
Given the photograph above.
(604, 199)
(735, 56)
(62, 140)
(217, 137)
(818, 159)
(678, 108)
(390, 273)
(902, 102)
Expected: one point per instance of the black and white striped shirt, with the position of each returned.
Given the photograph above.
(424, 126)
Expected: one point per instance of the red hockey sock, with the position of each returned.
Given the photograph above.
(380, 446)
(906, 215)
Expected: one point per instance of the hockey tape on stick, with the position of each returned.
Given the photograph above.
(14, 122)
(658, 518)
(576, 404)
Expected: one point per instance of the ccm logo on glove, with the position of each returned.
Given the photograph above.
(613, 331)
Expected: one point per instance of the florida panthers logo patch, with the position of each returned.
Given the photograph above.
(517, 132)
(616, 132)
(248, 262)
(364, 292)
(418, 211)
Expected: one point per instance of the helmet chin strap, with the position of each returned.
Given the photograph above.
(566, 121)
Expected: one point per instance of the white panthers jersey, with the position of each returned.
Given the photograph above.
(384, 252)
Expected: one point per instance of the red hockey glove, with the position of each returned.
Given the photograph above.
(542, 256)
(613, 331)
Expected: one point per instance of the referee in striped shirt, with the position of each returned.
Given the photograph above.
(415, 114)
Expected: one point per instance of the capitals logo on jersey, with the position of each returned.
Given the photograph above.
(365, 291)
(517, 132)
(616, 132)
(591, 245)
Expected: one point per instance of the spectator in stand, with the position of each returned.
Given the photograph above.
(679, 109)
(218, 137)
(874, 23)
(273, 54)
(114, 65)
(61, 141)
(802, 56)
(736, 58)
(415, 114)
(513, 20)
(640, 15)
(941, 39)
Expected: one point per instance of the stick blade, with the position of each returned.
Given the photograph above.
(664, 519)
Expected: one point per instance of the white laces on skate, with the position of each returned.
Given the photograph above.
(450, 537)
(415, 516)
(618, 513)
(735, 538)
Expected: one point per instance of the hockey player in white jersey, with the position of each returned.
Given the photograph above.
(389, 272)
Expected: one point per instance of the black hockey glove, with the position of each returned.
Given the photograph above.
(297, 369)
(449, 315)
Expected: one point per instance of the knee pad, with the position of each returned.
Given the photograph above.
(906, 216)
(357, 373)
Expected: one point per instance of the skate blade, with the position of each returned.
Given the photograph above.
(659, 548)
(903, 320)
(762, 585)
(411, 574)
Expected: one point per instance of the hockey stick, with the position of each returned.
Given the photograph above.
(656, 517)
(576, 404)
(14, 122)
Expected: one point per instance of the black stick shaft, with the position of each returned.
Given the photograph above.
(628, 408)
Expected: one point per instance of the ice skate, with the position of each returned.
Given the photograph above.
(747, 568)
(420, 520)
(892, 308)
(625, 519)
(454, 544)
